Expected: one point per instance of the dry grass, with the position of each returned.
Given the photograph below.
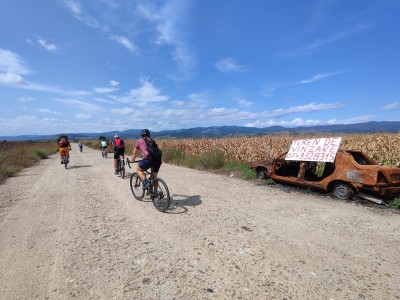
(15, 156)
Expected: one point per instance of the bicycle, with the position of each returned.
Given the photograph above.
(104, 153)
(157, 190)
(121, 167)
(65, 159)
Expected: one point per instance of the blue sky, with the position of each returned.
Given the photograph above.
(101, 65)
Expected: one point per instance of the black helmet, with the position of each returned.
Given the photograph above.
(144, 132)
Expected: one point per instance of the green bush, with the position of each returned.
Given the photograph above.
(241, 170)
(41, 154)
(270, 181)
(171, 155)
(213, 159)
(395, 203)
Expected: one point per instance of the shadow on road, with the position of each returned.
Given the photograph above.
(78, 167)
(180, 203)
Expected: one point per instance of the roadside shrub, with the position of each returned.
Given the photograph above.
(41, 154)
(171, 155)
(395, 203)
(239, 169)
(15, 156)
(213, 159)
(270, 181)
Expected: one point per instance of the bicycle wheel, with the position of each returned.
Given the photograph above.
(161, 198)
(122, 168)
(65, 160)
(136, 186)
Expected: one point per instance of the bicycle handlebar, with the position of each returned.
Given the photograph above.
(129, 162)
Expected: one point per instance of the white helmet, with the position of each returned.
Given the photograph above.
(116, 136)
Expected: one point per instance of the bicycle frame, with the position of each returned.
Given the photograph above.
(104, 152)
(121, 166)
(65, 159)
(157, 190)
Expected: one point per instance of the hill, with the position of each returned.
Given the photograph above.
(226, 131)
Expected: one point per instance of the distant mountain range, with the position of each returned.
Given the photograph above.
(225, 131)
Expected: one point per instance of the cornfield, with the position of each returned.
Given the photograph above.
(384, 148)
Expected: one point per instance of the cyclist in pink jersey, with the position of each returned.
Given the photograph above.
(146, 162)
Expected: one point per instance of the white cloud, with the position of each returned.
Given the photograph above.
(12, 63)
(114, 83)
(178, 102)
(169, 23)
(124, 41)
(74, 7)
(80, 104)
(244, 102)
(13, 80)
(123, 111)
(147, 93)
(301, 109)
(316, 78)
(141, 96)
(359, 119)
(26, 99)
(392, 106)
(48, 111)
(337, 36)
(320, 42)
(296, 122)
(48, 46)
(104, 90)
(228, 65)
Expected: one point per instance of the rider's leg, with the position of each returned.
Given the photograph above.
(142, 166)
(116, 156)
(141, 173)
(156, 168)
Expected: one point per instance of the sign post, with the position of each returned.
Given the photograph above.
(322, 149)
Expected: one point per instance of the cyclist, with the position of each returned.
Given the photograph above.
(80, 145)
(63, 146)
(103, 144)
(119, 150)
(145, 163)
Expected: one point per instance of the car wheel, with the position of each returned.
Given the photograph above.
(260, 173)
(343, 191)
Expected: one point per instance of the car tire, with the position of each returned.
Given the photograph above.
(343, 191)
(260, 173)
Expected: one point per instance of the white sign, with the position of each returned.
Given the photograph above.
(323, 149)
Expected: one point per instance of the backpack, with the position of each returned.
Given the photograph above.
(64, 142)
(118, 143)
(153, 150)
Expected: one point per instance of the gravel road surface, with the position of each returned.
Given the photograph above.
(79, 234)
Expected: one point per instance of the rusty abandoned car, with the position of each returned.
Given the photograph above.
(351, 172)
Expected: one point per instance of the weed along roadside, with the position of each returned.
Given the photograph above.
(15, 156)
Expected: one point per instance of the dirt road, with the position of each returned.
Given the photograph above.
(79, 234)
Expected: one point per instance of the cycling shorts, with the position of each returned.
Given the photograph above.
(145, 164)
(63, 149)
(118, 153)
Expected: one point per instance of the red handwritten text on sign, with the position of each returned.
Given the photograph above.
(323, 149)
